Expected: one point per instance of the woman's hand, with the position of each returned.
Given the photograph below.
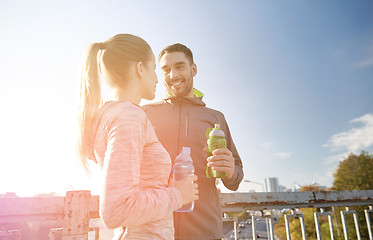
(187, 187)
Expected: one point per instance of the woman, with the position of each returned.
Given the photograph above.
(120, 138)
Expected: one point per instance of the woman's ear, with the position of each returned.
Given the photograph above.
(140, 69)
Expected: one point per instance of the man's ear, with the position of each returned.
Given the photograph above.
(194, 69)
(140, 69)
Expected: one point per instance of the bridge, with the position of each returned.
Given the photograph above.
(75, 211)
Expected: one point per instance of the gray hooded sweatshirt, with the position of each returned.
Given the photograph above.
(182, 122)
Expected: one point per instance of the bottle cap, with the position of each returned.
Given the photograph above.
(186, 153)
(217, 131)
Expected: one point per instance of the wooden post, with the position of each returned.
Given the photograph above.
(76, 215)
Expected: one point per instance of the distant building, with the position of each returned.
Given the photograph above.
(297, 186)
(273, 185)
(289, 190)
(282, 188)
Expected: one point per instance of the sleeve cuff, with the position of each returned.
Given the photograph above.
(178, 203)
(231, 180)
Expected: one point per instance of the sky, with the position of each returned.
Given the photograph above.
(294, 80)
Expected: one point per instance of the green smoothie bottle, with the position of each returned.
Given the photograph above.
(216, 139)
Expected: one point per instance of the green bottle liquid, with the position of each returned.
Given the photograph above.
(216, 139)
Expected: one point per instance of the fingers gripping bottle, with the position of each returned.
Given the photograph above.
(216, 140)
(183, 168)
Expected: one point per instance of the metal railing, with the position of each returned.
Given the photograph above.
(75, 210)
(238, 202)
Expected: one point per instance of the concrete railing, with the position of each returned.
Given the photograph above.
(75, 210)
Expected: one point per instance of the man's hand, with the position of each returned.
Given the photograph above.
(222, 160)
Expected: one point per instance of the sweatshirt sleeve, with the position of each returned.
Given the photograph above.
(122, 202)
(233, 182)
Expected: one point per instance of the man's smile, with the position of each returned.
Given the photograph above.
(177, 83)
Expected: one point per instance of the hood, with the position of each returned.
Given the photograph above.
(197, 99)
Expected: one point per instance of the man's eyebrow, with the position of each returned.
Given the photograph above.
(176, 64)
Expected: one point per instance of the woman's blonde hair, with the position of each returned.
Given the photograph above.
(112, 59)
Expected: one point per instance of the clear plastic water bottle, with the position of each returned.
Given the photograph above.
(216, 140)
(183, 168)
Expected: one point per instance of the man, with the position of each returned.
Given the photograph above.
(180, 121)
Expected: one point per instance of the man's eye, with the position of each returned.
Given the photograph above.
(166, 70)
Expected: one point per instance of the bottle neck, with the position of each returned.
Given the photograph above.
(217, 133)
(216, 136)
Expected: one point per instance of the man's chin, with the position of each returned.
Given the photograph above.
(177, 93)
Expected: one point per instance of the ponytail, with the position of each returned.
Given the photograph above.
(90, 102)
(115, 57)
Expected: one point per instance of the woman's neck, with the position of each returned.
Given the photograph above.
(128, 94)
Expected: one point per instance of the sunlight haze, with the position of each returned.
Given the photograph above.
(294, 80)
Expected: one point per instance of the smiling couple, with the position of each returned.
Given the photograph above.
(136, 146)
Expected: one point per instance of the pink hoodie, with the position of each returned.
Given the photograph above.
(136, 168)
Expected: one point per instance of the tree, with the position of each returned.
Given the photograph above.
(310, 188)
(354, 173)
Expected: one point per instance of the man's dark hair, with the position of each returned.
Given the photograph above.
(177, 47)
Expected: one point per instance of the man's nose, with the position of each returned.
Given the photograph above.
(173, 74)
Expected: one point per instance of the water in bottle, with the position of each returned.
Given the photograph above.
(183, 168)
